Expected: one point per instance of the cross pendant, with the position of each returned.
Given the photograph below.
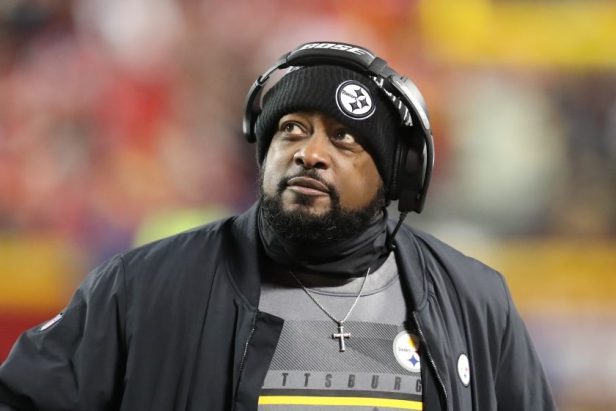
(341, 335)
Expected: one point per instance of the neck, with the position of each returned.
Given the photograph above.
(351, 257)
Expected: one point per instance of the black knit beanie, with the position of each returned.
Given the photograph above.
(351, 98)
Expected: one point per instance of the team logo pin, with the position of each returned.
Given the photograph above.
(464, 369)
(354, 100)
(406, 351)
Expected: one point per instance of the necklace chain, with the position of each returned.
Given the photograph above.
(314, 299)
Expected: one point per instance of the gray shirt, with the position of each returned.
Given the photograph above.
(380, 365)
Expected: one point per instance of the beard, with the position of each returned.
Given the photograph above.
(302, 226)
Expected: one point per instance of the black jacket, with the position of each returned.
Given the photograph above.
(173, 325)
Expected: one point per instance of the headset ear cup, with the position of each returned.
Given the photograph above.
(410, 173)
(251, 111)
(393, 186)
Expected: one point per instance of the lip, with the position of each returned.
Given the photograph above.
(307, 186)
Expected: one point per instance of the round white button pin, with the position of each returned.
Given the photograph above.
(464, 369)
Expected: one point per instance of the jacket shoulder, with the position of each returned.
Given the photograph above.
(474, 281)
(177, 247)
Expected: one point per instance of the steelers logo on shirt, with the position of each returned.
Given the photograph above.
(406, 351)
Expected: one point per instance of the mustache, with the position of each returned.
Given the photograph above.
(310, 173)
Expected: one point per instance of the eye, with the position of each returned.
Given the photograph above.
(344, 136)
(291, 128)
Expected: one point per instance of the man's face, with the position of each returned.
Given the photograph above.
(315, 169)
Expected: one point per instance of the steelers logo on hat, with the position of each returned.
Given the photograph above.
(354, 100)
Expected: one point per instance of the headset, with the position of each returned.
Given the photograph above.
(414, 158)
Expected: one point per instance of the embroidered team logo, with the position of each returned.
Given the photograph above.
(354, 100)
(406, 351)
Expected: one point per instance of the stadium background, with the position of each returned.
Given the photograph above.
(120, 122)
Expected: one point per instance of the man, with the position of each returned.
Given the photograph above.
(313, 299)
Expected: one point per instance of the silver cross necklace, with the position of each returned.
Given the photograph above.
(340, 335)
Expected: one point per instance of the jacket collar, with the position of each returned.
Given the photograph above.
(411, 265)
(244, 255)
(245, 259)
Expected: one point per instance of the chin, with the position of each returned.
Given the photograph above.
(306, 209)
(314, 206)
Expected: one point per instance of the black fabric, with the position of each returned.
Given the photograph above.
(348, 258)
(170, 326)
(431, 394)
(260, 349)
(315, 89)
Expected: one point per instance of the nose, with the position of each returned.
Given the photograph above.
(314, 153)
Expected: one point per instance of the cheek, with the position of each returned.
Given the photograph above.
(361, 183)
(269, 183)
(273, 172)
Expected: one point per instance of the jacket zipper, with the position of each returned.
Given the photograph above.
(243, 360)
(439, 380)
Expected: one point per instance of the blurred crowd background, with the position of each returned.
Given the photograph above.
(120, 122)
